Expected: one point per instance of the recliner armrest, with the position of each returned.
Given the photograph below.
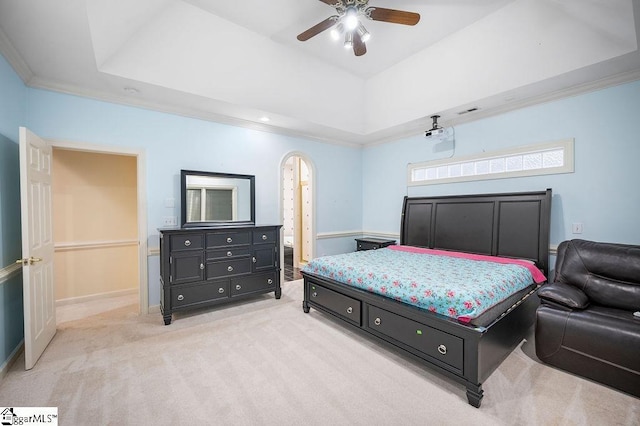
(564, 295)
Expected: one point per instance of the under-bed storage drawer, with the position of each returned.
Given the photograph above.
(344, 306)
(435, 343)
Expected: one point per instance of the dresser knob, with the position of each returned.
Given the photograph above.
(349, 310)
(230, 268)
(229, 254)
(180, 297)
(377, 321)
(254, 259)
(201, 266)
(269, 281)
(314, 294)
(229, 240)
(442, 349)
(221, 290)
(187, 243)
(264, 237)
(238, 286)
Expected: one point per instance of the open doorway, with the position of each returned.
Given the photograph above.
(297, 214)
(99, 229)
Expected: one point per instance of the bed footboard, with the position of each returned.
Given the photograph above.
(463, 353)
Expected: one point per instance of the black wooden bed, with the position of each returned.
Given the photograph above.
(512, 225)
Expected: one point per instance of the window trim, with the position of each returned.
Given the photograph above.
(567, 145)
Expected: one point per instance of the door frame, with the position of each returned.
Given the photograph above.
(141, 184)
(312, 190)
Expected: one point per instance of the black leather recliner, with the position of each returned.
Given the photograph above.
(585, 323)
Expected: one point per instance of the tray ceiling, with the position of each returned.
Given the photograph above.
(236, 62)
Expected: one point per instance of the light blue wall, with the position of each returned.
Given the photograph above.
(12, 116)
(602, 194)
(173, 142)
(356, 189)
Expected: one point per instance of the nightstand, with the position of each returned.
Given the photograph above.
(372, 243)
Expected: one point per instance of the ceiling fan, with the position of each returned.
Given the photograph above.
(347, 22)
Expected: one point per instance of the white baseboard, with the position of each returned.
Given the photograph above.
(90, 297)
(6, 366)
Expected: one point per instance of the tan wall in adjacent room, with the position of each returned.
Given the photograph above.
(95, 223)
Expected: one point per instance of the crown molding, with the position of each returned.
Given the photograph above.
(69, 89)
(14, 58)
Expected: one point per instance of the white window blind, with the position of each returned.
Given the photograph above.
(530, 160)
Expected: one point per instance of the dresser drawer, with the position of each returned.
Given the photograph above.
(342, 305)
(435, 343)
(229, 252)
(186, 242)
(265, 236)
(188, 295)
(230, 238)
(226, 268)
(253, 283)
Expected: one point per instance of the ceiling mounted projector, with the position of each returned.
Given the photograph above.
(435, 130)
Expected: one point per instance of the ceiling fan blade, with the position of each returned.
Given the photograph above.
(318, 28)
(331, 2)
(359, 48)
(392, 15)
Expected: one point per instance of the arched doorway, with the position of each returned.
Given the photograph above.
(297, 213)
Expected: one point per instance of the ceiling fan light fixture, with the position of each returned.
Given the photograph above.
(351, 18)
(348, 40)
(337, 31)
(363, 33)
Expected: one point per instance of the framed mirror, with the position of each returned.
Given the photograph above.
(216, 199)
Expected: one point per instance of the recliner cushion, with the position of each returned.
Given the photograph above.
(564, 294)
(609, 274)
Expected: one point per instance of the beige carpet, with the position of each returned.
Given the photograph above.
(265, 362)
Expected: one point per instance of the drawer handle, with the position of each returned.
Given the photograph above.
(314, 294)
(230, 268)
(377, 321)
(269, 281)
(238, 286)
(254, 259)
(187, 243)
(221, 290)
(264, 237)
(180, 297)
(349, 310)
(229, 239)
(442, 349)
(229, 254)
(201, 266)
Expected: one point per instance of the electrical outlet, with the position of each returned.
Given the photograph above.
(576, 228)
(170, 221)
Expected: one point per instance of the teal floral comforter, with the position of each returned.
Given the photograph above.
(457, 285)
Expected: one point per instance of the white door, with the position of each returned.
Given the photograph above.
(37, 246)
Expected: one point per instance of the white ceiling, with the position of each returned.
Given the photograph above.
(236, 61)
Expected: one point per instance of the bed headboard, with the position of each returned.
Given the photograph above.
(510, 225)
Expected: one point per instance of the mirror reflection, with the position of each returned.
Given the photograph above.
(216, 198)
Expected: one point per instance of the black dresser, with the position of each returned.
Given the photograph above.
(207, 266)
